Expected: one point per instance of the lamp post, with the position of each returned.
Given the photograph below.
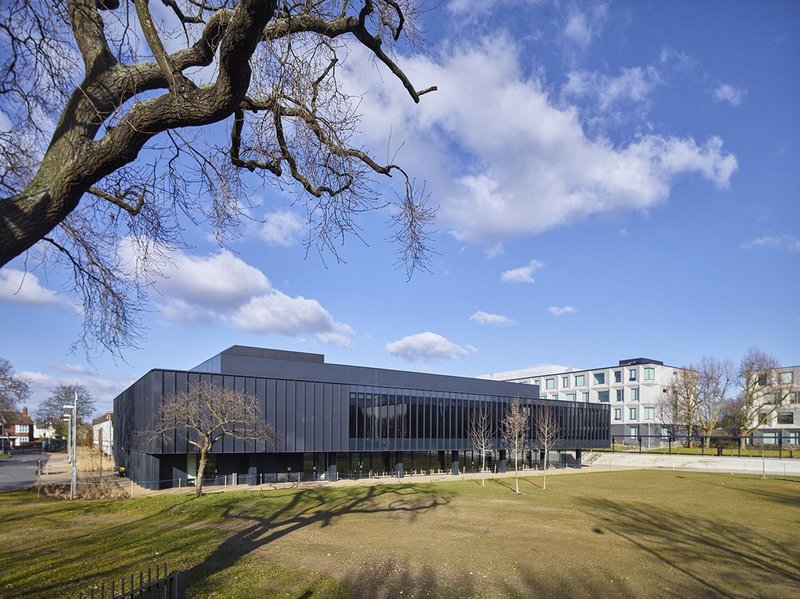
(73, 434)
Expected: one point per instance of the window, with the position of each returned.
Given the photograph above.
(787, 378)
(22, 428)
(794, 437)
(770, 438)
(617, 413)
(793, 397)
(536, 382)
(585, 396)
(762, 379)
(649, 413)
(649, 374)
(580, 380)
(602, 396)
(550, 383)
(635, 394)
(785, 418)
(632, 374)
(620, 394)
(565, 382)
(769, 398)
(631, 413)
(570, 397)
(634, 432)
(617, 376)
(599, 378)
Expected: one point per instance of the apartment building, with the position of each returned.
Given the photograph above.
(780, 416)
(632, 389)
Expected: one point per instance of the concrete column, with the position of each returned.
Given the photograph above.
(454, 461)
(578, 456)
(501, 463)
(332, 475)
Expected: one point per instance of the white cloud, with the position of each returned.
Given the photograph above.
(505, 160)
(102, 389)
(276, 312)
(581, 27)
(727, 93)
(24, 287)
(428, 348)
(633, 84)
(494, 251)
(558, 311)
(787, 243)
(74, 369)
(523, 274)
(482, 317)
(282, 228)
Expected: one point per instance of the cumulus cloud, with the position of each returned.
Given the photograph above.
(523, 274)
(282, 228)
(558, 311)
(583, 26)
(633, 84)
(24, 287)
(428, 347)
(728, 93)
(103, 389)
(786, 243)
(482, 317)
(505, 160)
(277, 312)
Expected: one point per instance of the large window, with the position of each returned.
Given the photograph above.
(787, 378)
(602, 396)
(634, 432)
(550, 383)
(649, 413)
(635, 394)
(580, 380)
(631, 413)
(599, 378)
(617, 413)
(631, 374)
(585, 396)
(565, 382)
(570, 397)
(620, 394)
(649, 374)
(785, 418)
(617, 376)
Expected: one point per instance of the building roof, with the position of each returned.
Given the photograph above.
(103, 418)
(12, 417)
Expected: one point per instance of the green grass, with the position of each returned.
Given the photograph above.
(636, 533)
(4, 456)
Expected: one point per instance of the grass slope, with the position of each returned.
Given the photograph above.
(638, 533)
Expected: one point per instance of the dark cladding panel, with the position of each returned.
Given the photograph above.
(326, 403)
(291, 411)
(300, 417)
(227, 443)
(249, 387)
(314, 422)
(338, 439)
(181, 384)
(280, 414)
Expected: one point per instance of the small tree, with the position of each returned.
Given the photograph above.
(481, 434)
(207, 413)
(681, 405)
(715, 381)
(515, 436)
(548, 434)
(51, 410)
(13, 390)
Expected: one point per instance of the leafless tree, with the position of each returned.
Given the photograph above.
(51, 410)
(716, 379)
(206, 413)
(515, 435)
(680, 407)
(761, 391)
(548, 435)
(118, 112)
(13, 389)
(481, 434)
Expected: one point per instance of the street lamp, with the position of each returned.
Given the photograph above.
(72, 441)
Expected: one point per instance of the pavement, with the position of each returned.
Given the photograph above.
(19, 471)
(721, 464)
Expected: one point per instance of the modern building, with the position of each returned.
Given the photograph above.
(336, 420)
(16, 428)
(103, 433)
(780, 416)
(632, 389)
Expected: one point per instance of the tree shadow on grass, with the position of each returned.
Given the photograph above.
(715, 556)
(312, 507)
(391, 578)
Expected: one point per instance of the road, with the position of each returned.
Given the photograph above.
(19, 471)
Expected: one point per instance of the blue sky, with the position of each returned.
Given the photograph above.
(613, 179)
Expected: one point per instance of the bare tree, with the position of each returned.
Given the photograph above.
(13, 389)
(548, 435)
(206, 413)
(715, 380)
(515, 435)
(481, 434)
(761, 391)
(51, 410)
(681, 405)
(112, 139)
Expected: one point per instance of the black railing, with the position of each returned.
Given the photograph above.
(164, 585)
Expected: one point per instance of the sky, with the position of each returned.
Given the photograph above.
(613, 180)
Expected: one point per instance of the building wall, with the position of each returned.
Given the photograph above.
(782, 426)
(103, 436)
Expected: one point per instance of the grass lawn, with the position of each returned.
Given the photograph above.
(615, 534)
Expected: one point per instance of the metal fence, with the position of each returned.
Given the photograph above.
(164, 585)
(711, 445)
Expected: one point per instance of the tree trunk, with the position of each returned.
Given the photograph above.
(201, 469)
(516, 475)
(544, 478)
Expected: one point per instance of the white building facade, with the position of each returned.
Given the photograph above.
(103, 433)
(780, 425)
(633, 389)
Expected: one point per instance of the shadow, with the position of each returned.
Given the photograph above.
(390, 579)
(310, 507)
(784, 498)
(504, 482)
(714, 555)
